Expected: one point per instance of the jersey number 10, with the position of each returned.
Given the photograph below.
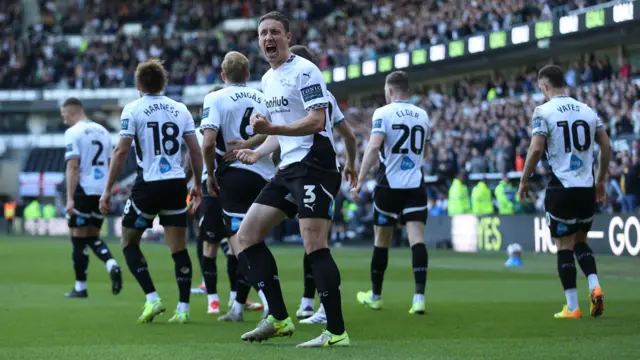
(417, 139)
(573, 138)
(167, 138)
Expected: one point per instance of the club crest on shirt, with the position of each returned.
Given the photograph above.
(286, 83)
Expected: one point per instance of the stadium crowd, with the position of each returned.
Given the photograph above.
(340, 32)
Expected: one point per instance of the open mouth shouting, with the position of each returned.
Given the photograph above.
(271, 50)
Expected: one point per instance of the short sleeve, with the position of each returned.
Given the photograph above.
(377, 126)
(599, 123)
(313, 89)
(189, 126)
(539, 124)
(210, 113)
(72, 150)
(127, 123)
(337, 117)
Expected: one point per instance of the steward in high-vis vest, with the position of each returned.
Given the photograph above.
(505, 195)
(459, 202)
(481, 203)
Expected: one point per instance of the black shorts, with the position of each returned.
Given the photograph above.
(239, 188)
(212, 226)
(302, 190)
(391, 205)
(86, 211)
(569, 210)
(164, 198)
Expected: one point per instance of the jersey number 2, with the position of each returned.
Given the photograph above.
(167, 138)
(573, 138)
(96, 159)
(417, 139)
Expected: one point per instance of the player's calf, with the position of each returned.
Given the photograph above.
(308, 297)
(420, 264)
(210, 275)
(587, 263)
(567, 274)
(325, 271)
(80, 258)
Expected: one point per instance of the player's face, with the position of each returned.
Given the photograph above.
(66, 115)
(274, 40)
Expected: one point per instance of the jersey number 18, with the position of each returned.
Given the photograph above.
(170, 133)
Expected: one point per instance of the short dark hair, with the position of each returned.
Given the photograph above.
(277, 16)
(554, 74)
(398, 80)
(303, 51)
(72, 102)
(151, 77)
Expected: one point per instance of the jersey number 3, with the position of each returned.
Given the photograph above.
(573, 138)
(417, 139)
(169, 140)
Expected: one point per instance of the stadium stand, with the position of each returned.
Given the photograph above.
(117, 34)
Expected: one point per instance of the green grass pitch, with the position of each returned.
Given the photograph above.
(476, 309)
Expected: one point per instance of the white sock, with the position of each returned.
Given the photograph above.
(237, 307)
(418, 298)
(152, 296)
(182, 307)
(211, 297)
(306, 302)
(593, 281)
(572, 298)
(110, 264)
(232, 296)
(81, 285)
(321, 309)
(263, 299)
(375, 297)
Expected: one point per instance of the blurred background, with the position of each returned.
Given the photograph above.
(473, 68)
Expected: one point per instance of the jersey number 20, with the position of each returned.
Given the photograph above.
(417, 139)
(573, 137)
(170, 132)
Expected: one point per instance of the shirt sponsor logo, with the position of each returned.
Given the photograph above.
(124, 124)
(407, 163)
(205, 113)
(275, 101)
(97, 174)
(377, 124)
(312, 92)
(575, 163)
(164, 166)
(69, 148)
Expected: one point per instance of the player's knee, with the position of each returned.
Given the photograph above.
(245, 239)
(567, 243)
(209, 250)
